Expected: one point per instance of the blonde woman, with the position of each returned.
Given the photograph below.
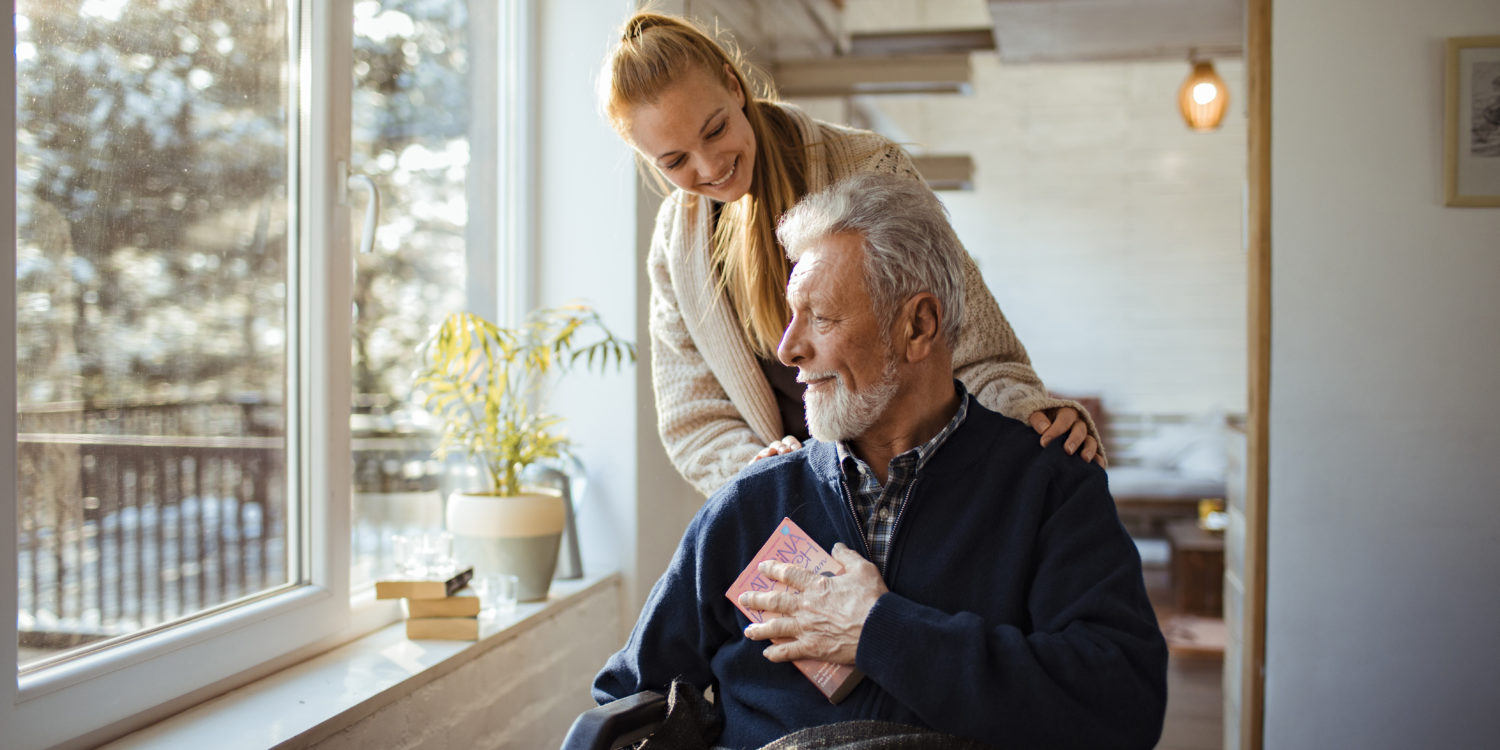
(718, 276)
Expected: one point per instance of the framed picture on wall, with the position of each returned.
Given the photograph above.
(1472, 148)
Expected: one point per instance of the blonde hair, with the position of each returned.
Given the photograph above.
(655, 52)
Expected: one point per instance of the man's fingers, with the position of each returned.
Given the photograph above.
(846, 555)
(769, 601)
(780, 629)
(789, 651)
(792, 575)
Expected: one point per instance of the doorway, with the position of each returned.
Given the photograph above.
(1073, 182)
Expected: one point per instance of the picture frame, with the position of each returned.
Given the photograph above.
(1472, 121)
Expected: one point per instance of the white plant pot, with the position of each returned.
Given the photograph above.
(515, 534)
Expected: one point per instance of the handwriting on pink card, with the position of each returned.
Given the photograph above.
(790, 544)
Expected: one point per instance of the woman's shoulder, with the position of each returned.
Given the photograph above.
(672, 217)
(829, 133)
(674, 208)
(863, 152)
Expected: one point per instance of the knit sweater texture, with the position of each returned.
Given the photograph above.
(1016, 615)
(715, 410)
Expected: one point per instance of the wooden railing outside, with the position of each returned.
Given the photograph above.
(137, 515)
(121, 532)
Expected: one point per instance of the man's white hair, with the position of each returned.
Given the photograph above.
(909, 245)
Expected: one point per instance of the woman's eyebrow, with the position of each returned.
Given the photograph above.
(711, 116)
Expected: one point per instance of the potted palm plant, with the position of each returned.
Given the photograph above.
(487, 385)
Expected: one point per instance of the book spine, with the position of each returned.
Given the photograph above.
(834, 681)
(456, 583)
(443, 628)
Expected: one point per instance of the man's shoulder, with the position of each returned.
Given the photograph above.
(985, 432)
(990, 436)
(777, 477)
(808, 462)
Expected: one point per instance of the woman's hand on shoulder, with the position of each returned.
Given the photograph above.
(1065, 420)
(777, 447)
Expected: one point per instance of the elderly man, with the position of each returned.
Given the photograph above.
(989, 590)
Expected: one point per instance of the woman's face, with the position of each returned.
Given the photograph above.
(696, 134)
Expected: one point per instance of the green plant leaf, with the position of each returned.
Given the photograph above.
(486, 383)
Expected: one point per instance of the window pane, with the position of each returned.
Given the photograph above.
(152, 278)
(411, 135)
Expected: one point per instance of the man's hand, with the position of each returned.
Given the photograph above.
(1054, 423)
(825, 620)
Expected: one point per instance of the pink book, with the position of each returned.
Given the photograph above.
(790, 544)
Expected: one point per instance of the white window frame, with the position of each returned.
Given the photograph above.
(98, 695)
(103, 695)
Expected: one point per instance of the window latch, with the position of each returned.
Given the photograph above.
(372, 205)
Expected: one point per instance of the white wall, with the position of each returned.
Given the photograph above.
(1111, 235)
(1384, 535)
(594, 223)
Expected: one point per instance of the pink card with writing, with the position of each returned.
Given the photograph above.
(790, 544)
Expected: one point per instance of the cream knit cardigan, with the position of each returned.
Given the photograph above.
(714, 408)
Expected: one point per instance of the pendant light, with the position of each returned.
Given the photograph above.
(1203, 97)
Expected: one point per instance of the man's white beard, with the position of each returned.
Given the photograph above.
(844, 414)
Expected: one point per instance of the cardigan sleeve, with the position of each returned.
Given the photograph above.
(676, 635)
(1089, 672)
(705, 436)
(988, 358)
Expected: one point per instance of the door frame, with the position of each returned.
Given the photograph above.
(1258, 225)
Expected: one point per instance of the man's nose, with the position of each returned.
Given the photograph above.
(791, 350)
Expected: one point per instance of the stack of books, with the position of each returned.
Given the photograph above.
(436, 608)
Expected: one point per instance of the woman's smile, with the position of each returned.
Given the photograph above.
(733, 167)
(696, 125)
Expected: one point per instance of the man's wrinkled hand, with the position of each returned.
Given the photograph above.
(825, 619)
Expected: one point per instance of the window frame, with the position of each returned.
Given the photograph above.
(99, 695)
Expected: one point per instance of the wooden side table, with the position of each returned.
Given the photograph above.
(1197, 568)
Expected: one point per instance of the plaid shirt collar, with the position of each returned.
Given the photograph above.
(877, 508)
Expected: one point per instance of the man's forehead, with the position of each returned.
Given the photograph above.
(827, 262)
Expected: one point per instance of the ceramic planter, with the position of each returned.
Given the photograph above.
(515, 534)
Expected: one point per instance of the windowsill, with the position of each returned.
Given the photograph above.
(316, 698)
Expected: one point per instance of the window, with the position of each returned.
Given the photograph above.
(182, 304)
(154, 256)
(412, 126)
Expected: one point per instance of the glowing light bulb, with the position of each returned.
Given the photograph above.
(1202, 98)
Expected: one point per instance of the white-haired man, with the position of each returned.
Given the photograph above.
(989, 590)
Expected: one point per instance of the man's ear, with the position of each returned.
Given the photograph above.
(922, 322)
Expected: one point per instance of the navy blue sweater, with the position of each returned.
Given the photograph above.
(1016, 614)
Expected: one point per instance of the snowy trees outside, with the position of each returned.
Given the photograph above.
(156, 169)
